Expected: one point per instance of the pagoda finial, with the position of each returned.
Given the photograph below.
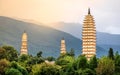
(63, 38)
(24, 31)
(88, 10)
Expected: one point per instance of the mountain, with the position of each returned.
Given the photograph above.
(74, 29)
(40, 38)
(104, 40)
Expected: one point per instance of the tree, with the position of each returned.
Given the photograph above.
(105, 66)
(64, 60)
(117, 63)
(16, 67)
(11, 53)
(45, 69)
(82, 60)
(116, 53)
(88, 71)
(111, 54)
(23, 58)
(34, 60)
(39, 54)
(3, 66)
(117, 59)
(50, 58)
(71, 53)
(93, 63)
(2, 53)
(13, 71)
(67, 70)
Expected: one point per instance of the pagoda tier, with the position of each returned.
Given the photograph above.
(89, 36)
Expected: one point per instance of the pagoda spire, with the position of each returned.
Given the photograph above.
(89, 11)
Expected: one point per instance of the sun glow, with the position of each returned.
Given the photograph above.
(46, 11)
(50, 11)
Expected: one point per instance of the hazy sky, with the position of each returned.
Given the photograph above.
(105, 12)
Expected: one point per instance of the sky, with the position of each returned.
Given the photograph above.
(105, 12)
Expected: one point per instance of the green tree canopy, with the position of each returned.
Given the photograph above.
(45, 69)
(11, 53)
(50, 58)
(117, 64)
(4, 64)
(106, 66)
(2, 53)
(39, 54)
(15, 66)
(82, 62)
(23, 58)
(13, 71)
(93, 63)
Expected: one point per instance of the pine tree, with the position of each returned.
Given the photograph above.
(111, 54)
(72, 53)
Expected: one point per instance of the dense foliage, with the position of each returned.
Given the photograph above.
(11, 63)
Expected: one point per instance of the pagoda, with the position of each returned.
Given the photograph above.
(24, 48)
(63, 47)
(89, 36)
